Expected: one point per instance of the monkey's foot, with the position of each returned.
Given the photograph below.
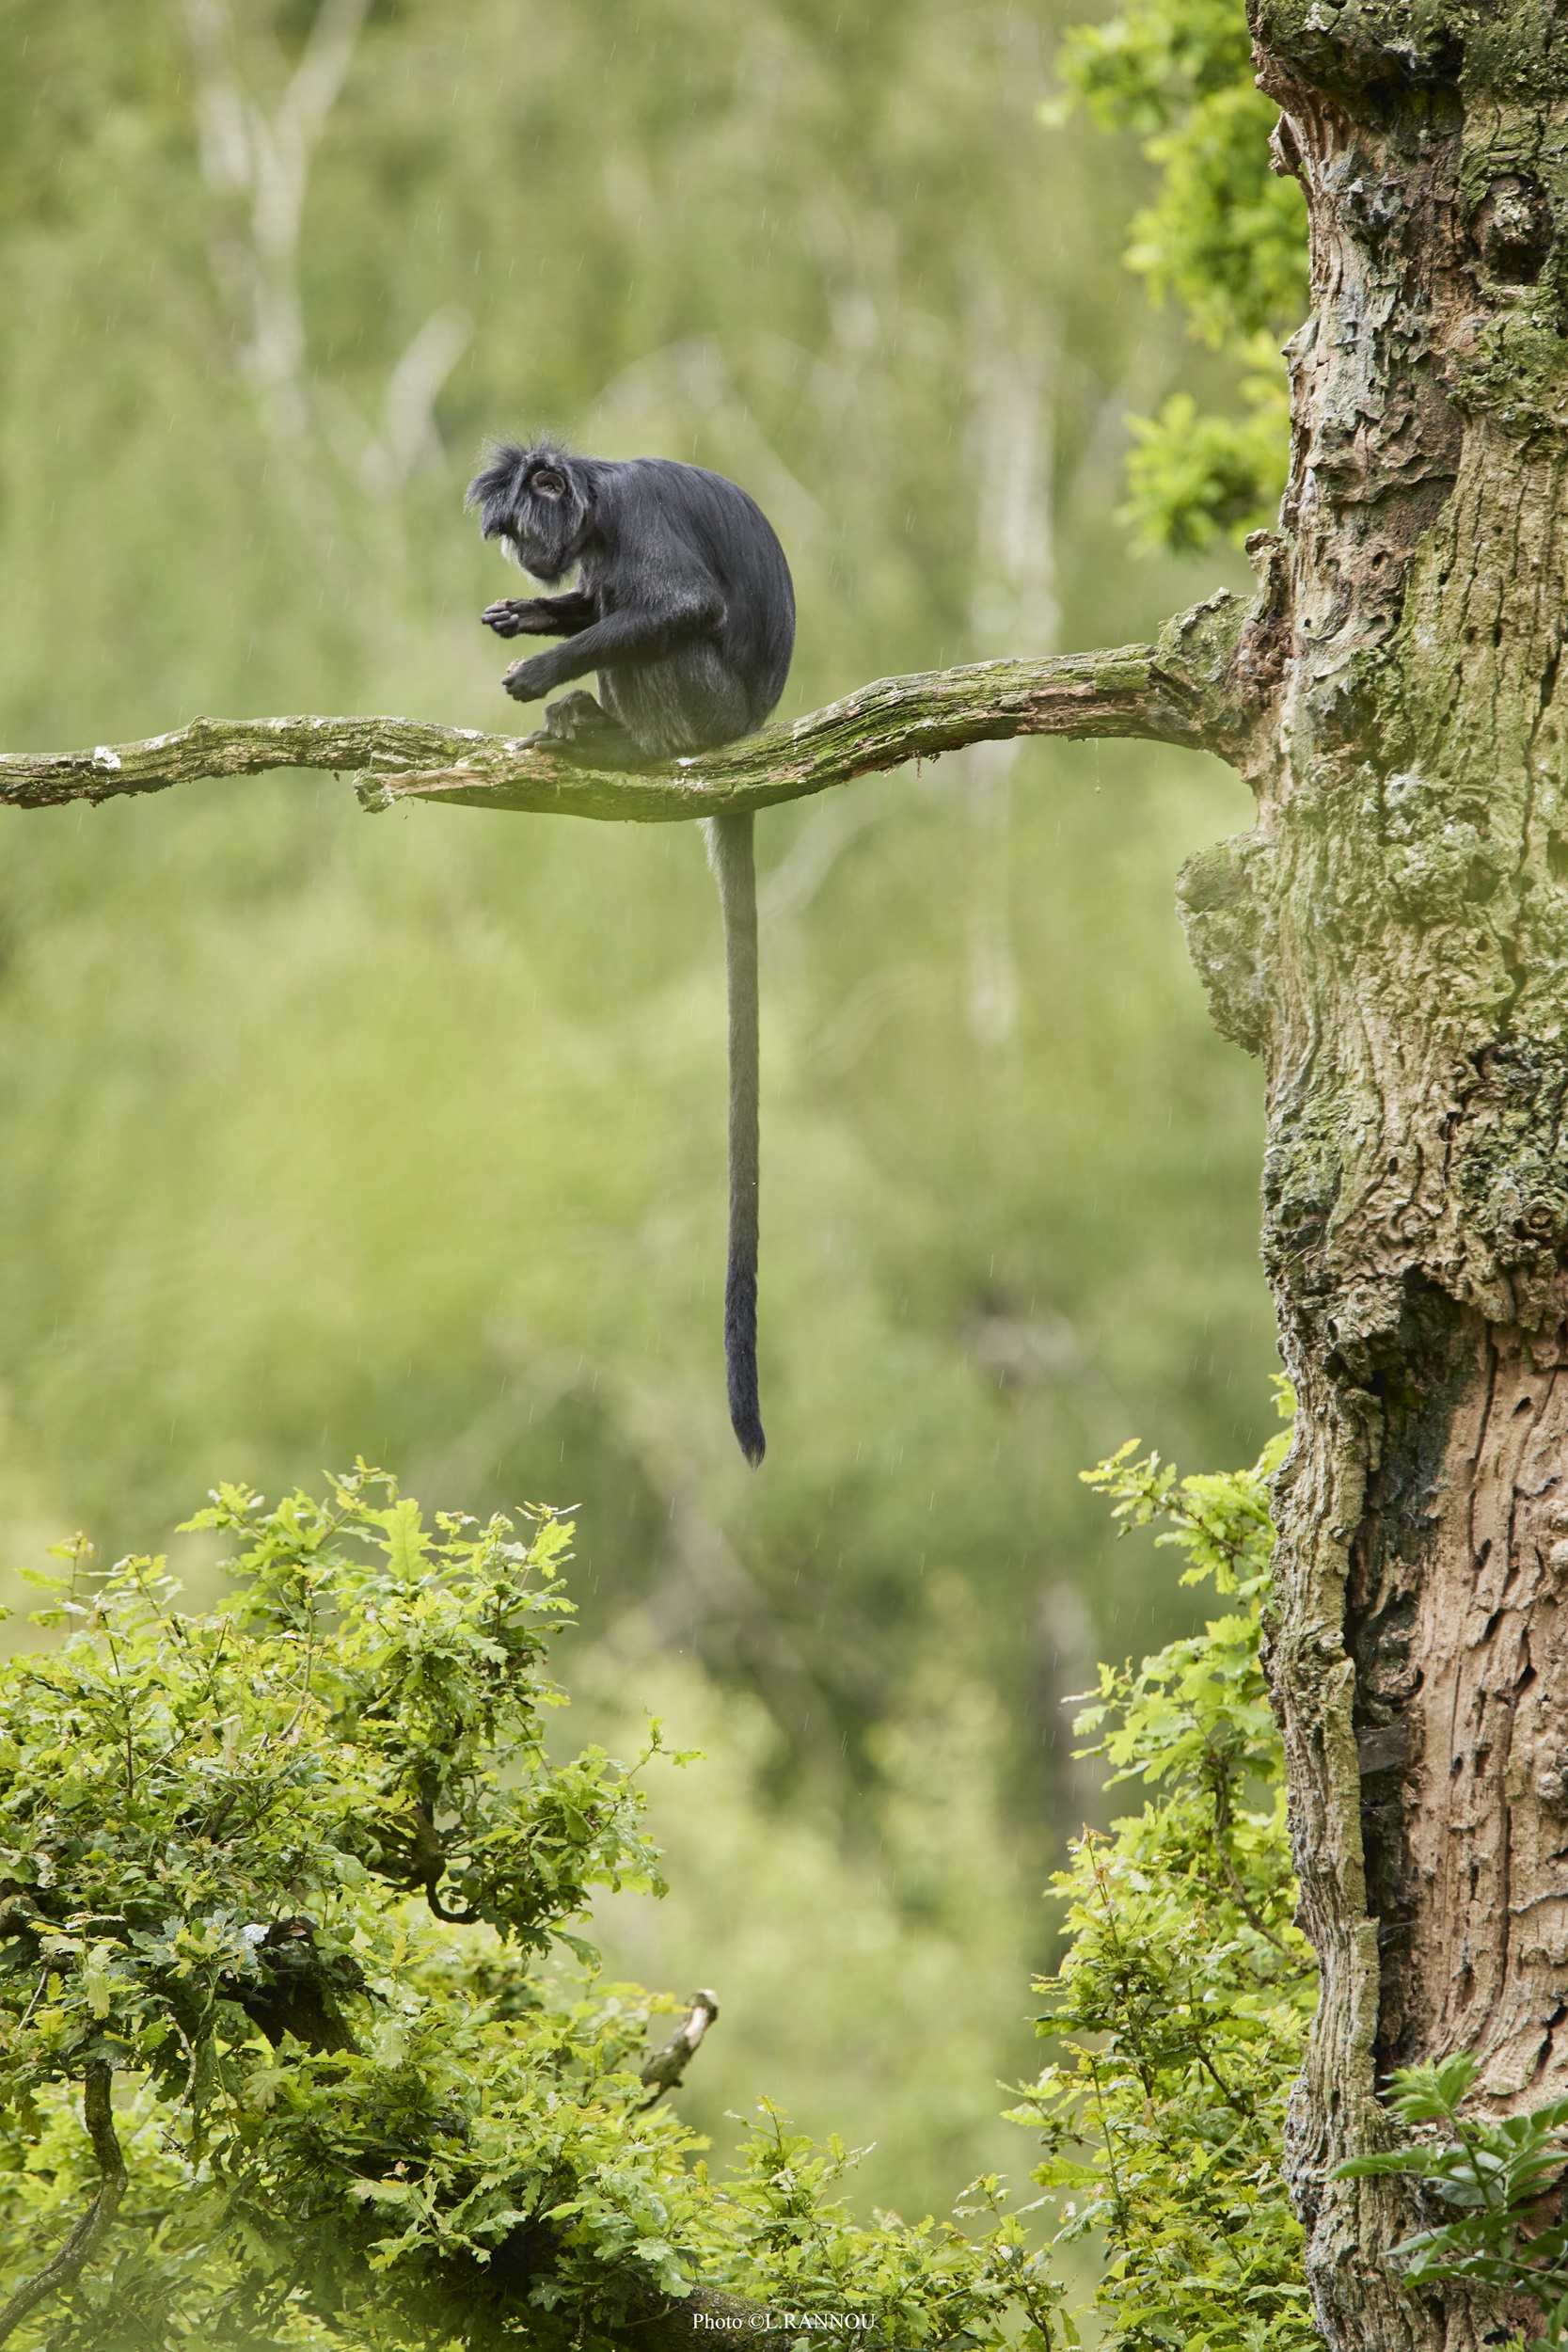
(579, 728)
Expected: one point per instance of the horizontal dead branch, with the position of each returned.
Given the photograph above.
(1183, 690)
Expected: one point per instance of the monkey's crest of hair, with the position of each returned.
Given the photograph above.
(546, 534)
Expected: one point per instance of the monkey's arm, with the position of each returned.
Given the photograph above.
(638, 632)
(541, 616)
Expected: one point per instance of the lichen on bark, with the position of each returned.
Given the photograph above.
(1393, 939)
(1195, 687)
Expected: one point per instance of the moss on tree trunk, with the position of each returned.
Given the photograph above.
(1393, 939)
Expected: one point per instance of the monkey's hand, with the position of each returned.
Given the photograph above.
(530, 681)
(541, 616)
(510, 617)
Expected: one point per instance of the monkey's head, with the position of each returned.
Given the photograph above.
(540, 500)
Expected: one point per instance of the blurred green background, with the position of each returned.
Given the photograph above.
(322, 1134)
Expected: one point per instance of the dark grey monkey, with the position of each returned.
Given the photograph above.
(685, 607)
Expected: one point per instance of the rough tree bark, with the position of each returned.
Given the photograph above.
(1393, 939)
(1187, 689)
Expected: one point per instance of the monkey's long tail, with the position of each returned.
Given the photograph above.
(729, 848)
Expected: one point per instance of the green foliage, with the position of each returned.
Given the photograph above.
(324, 1132)
(287, 1869)
(1224, 234)
(1191, 477)
(1182, 2002)
(408, 1133)
(1493, 2177)
(293, 1869)
(836, 1958)
(311, 1735)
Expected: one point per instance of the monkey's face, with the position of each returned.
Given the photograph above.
(548, 519)
(540, 503)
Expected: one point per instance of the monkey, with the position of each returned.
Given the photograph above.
(684, 607)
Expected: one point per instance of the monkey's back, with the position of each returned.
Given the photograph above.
(681, 530)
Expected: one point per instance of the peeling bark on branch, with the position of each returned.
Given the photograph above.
(1196, 688)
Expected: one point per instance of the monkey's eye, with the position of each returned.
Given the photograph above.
(548, 483)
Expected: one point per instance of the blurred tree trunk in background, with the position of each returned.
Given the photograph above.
(409, 1136)
(996, 1261)
(1393, 939)
(323, 1136)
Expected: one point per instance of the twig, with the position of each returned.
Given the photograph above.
(125, 1710)
(1244, 1904)
(286, 1733)
(37, 1997)
(67, 2264)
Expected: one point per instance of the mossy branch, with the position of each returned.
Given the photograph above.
(1193, 688)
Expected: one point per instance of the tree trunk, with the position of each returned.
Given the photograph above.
(1393, 939)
